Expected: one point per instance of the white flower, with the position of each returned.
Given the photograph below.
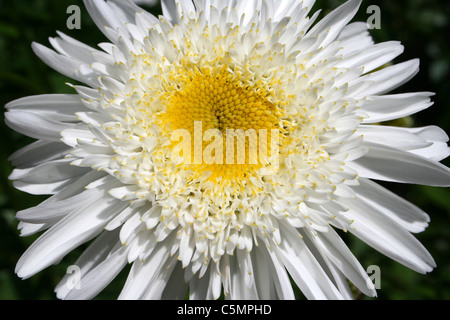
(106, 154)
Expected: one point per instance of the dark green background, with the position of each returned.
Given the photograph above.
(422, 26)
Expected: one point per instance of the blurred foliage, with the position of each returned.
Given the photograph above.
(421, 25)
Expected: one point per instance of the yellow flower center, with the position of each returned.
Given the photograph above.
(221, 123)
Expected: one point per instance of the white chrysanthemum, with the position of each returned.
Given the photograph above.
(106, 154)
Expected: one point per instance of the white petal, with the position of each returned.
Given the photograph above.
(395, 137)
(157, 286)
(73, 135)
(354, 37)
(198, 288)
(130, 228)
(43, 188)
(387, 79)
(391, 107)
(57, 107)
(240, 278)
(49, 212)
(215, 284)
(389, 164)
(285, 8)
(334, 22)
(123, 217)
(246, 269)
(28, 229)
(66, 65)
(372, 57)
(247, 10)
(264, 276)
(337, 251)
(281, 278)
(187, 246)
(126, 10)
(142, 273)
(48, 172)
(388, 237)
(95, 254)
(35, 126)
(67, 234)
(59, 190)
(105, 16)
(72, 48)
(303, 267)
(389, 204)
(171, 11)
(176, 287)
(99, 277)
(439, 149)
(80, 184)
(37, 153)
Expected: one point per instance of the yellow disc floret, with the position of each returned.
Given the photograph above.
(227, 125)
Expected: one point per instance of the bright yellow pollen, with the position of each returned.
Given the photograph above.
(201, 99)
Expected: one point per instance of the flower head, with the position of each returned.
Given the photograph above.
(219, 147)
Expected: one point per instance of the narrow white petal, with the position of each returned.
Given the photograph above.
(438, 151)
(157, 286)
(242, 287)
(57, 107)
(98, 278)
(96, 253)
(198, 287)
(395, 137)
(80, 184)
(334, 22)
(66, 65)
(215, 284)
(438, 138)
(143, 273)
(281, 278)
(72, 48)
(171, 11)
(264, 276)
(176, 288)
(105, 16)
(387, 203)
(388, 79)
(37, 153)
(337, 251)
(389, 164)
(43, 188)
(246, 269)
(49, 172)
(354, 37)
(388, 237)
(50, 212)
(67, 234)
(28, 229)
(303, 267)
(372, 57)
(391, 107)
(126, 10)
(35, 126)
